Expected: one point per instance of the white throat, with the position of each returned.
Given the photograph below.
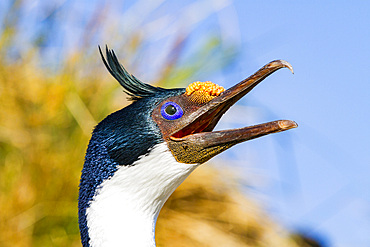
(125, 208)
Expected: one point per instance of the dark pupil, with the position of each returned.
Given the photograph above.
(170, 110)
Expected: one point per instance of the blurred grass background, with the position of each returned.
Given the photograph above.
(54, 89)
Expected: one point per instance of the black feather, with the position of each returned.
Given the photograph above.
(131, 85)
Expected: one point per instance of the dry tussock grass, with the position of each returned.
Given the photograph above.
(209, 210)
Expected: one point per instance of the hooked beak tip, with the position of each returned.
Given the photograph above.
(287, 65)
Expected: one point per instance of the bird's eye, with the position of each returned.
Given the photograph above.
(171, 111)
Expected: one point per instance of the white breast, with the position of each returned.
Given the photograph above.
(125, 208)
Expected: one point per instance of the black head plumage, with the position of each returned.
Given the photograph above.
(122, 137)
(135, 88)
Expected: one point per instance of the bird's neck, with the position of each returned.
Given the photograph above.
(125, 208)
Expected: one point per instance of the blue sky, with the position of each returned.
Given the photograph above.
(321, 182)
(313, 178)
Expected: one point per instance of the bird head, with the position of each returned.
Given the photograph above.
(186, 118)
(138, 155)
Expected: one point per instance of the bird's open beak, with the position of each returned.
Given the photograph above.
(194, 142)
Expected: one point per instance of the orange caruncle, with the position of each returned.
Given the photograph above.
(206, 87)
(202, 92)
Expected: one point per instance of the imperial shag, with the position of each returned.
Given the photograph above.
(140, 154)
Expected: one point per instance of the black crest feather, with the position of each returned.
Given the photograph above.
(135, 88)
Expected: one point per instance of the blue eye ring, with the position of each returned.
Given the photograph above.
(171, 111)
